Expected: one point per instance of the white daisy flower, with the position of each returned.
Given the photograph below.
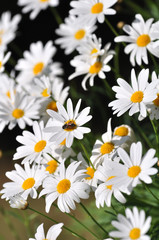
(24, 181)
(134, 97)
(142, 38)
(35, 61)
(8, 87)
(67, 187)
(105, 148)
(92, 68)
(89, 170)
(34, 145)
(21, 110)
(8, 27)
(104, 191)
(137, 168)
(3, 60)
(68, 124)
(153, 107)
(90, 49)
(52, 233)
(72, 33)
(134, 226)
(35, 6)
(92, 10)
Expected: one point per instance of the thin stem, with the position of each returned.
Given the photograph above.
(56, 15)
(109, 90)
(149, 190)
(74, 233)
(89, 214)
(86, 153)
(157, 137)
(53, 157)
(114, 209)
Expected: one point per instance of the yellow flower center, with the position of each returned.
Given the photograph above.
(121, 131)
(44, 1)
(156, 101)
(107, 148)
(52, 166)
(95, 68)
(0, 64)
(137, 97)
(69, 125)
(80, 34)
(134, 233)
(94, 50)
(17, 113)
(52, 106)
(63, 142)
(97, 8)
(143, 40)
(90, 172)
(39, 146)
(28, 183)
(38, 68)
(45, 93)
(109, 186)
(63, 186)
(134, 171)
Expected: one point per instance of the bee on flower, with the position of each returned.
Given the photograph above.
(67, 125)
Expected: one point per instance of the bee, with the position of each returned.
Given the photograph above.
(70, 126)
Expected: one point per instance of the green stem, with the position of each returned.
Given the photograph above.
(89, 214)
(114, 209)
(69, 230)
(109, 90)
(157, 137)
(56, 15)
(111, 27)
(53, 157)
(86, 153)
(149, 190)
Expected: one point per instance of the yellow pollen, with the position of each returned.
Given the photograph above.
(63, 186)
(63, 142)
(39, 146)
(109, 186)
(94, 50)
(121, 131)
(143, 40)
(28, 183)
(45, 93)
(0, 64)
(137, 97)
(134, 233)
(17, 113)
(52, 166)
(38, 68)
(8, 94)
(69, 125)
(134, 171)
(95, 68)
(97, 8)
(52, 106)
(107, 148)
(80, 34)
(44, 1)
(90, 172)
(156, 101)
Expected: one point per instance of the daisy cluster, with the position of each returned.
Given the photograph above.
(35, 94)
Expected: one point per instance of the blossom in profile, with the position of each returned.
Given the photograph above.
(52, 234)
(133, 226)
(134, 97)
(72, 33)
(35, 61)
(35, 6)
(8, 28)
(92, 10)
(141, 38)
(25, 181)
(92, 67)
(67, 187)
(67, 125)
